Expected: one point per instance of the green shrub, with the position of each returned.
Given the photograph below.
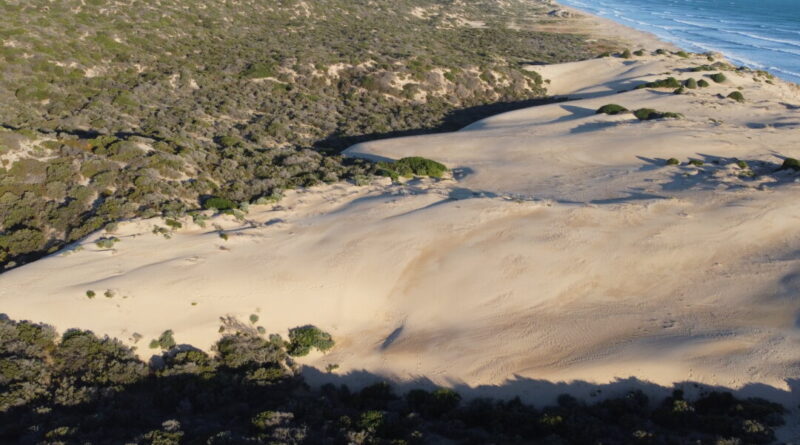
(219, 204)
(669, 82)
(690, 83)
(742, 164)
(682, 54)
(791, 163)
(638, 52)
(646, 114)
(109, 293)
(737, 96)
(411, 166)
(627, 54)
(90, 293)
(673, 161)
(611, 109)
(718, 77)
(302, 339)
(173, 224)
(696, 162)
(253, 318)
(680, 90)
(106, 243)
(702, 83)
(165, 341)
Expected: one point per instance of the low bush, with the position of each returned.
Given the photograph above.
(302, 339)
(737, 96)
(682, 54)
(790, 164)
(106, 243)
(611, 109)
(690, 83)
(166, 341)
(673, 161)
(669, 82)
(219, 204)
(626, 54)
(410, 167)
(638, 52)
(718, 77)
(702, 83)
(646, 114)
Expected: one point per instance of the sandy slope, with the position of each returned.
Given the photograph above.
(563, 249)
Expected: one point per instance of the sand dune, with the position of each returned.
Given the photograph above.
(562, 248)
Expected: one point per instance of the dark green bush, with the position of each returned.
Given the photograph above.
(669, 82)
(638, 52)
(702, 83)
(626, 54)
(673, 161)
(791, 163)
(718, 77)
(737, 96)
(696, 162)
(302, 339)
(682, 54)
(611, 109)
(412, 166)
(690, 83)
(219, 204)
(646, 114)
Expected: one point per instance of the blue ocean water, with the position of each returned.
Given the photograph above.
(761, 34)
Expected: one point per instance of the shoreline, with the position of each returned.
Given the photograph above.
(623, 31)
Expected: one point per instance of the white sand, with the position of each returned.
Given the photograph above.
(563, 251)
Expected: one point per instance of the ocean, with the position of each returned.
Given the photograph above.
(760, 34)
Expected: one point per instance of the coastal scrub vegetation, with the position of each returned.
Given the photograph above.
(718, 77)
(737, 96)
(646, 114)
(669, 82)
(115, 112)
(410, 167)
(81, 388)
(611, 109)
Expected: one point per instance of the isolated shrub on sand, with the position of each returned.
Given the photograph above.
(411, 166)
(696, 162)
(690, 83)
(737, 96)
(646, 114)
(680, 90)
(702, 83)
(611, 109)
(673, 161)
(166, 341)
(627, 54)
(669, 82)
(682, 54)
(302, 339)
(638, 52)
(791, 163)
(718, 77)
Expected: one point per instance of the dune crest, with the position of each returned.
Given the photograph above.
(563, 247)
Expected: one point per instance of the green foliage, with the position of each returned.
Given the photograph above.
(219, 204)
(682, 54)
(253, 318)
(106, 242)
(165, 341)
(302, 339)
(82, 388)
(173, 224)
(611, 109)
(90, 293)
(790, 163)
(646, 114)
(410, 167)
(696, 162)
(638, 53)
(737, 96)
(673, 161)
(690, 83)
(718, 77)
(669, 82)
(702, 83)
(626, 54)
